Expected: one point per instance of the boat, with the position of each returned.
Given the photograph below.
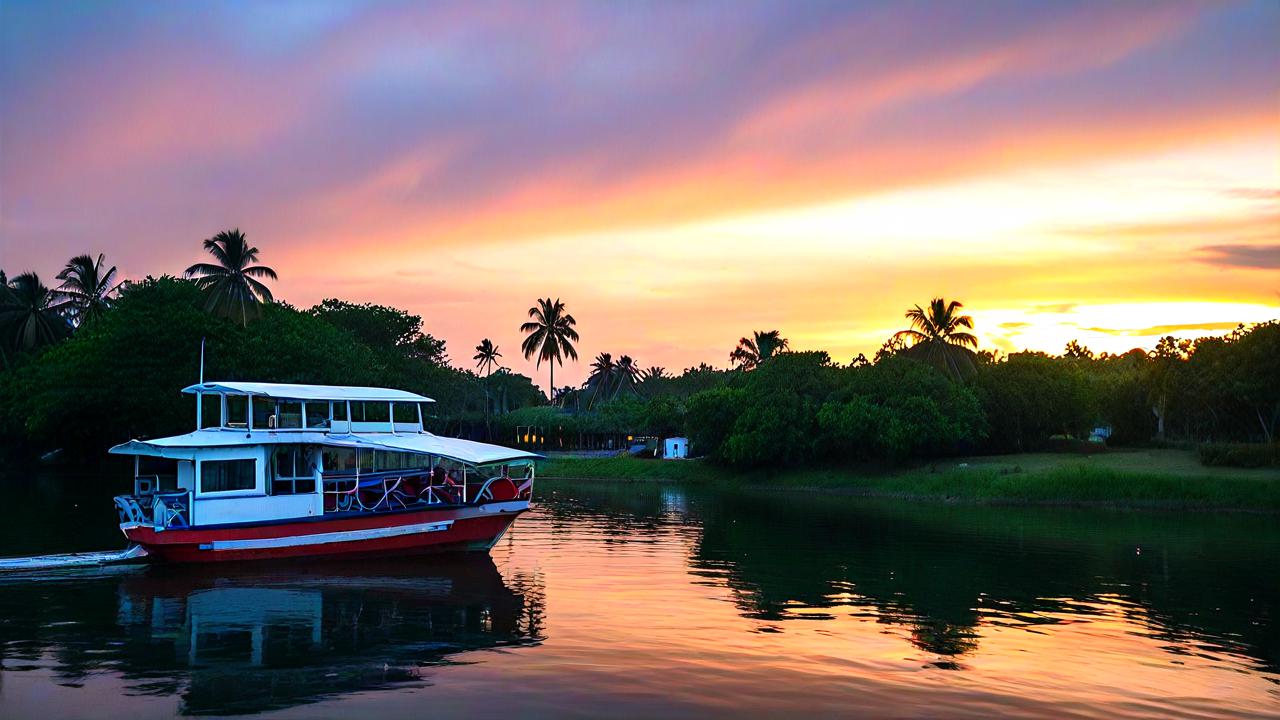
(286, 470)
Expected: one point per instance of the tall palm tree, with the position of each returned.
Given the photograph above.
(32, 315)
(936, 337)
(550, 336)
(603, 372)
(231, 286)
(628, 375)
(756, 349)
(486, 356)
(87, 287)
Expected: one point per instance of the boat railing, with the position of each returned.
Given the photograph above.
(162, 510)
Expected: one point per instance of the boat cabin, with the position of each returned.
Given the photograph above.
(271, 452)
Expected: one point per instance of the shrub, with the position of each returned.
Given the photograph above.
(1246, 455)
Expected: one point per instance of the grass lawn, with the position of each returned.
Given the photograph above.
(1163, 478)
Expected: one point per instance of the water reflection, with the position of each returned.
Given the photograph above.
(1199, 583)
(242, 641)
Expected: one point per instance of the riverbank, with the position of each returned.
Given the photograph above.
(1148, 479)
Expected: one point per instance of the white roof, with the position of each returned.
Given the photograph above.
(293, 391)
(188, 446)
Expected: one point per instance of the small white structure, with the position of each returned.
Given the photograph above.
(675, 447)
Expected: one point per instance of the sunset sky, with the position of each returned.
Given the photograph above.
(679, 173)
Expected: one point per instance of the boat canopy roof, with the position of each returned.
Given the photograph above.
(190, 445)
(294, 391)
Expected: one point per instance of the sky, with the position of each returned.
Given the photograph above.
(678, 173)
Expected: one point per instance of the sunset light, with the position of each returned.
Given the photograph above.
(677, 194)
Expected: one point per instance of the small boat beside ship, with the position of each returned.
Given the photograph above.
(287, 470)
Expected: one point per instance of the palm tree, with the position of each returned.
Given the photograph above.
(603, 373)
(628, 375)
(936, 337)
(31, 315)
(755, 350)
(486, 356)
(231, 286)
(87, 287)
(551, 336)
(653, 373)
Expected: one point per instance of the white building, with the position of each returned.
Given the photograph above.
(675, 447)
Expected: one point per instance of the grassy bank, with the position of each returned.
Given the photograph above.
(1171, 479)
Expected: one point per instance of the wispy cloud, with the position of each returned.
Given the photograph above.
(1263, 257)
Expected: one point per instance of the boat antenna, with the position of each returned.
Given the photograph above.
(201, 360)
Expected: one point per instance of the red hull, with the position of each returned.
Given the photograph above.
(382, 534)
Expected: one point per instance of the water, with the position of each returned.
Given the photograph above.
(634, 600)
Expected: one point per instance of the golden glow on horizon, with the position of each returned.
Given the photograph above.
(1107, 253)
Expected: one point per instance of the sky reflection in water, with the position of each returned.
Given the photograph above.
(638, 600)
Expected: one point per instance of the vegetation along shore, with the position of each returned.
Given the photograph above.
(1139, 479)
(93, 362)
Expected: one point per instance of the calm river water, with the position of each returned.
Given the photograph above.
(634, 600)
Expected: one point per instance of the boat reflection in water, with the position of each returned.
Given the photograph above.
(231, 642)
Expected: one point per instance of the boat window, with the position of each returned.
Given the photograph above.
(293, 473)
(263, 409)
(340, 411)
(317, 414)
(227, 475)
(237, 412)
(289, 414)
(210, 410)
(386, 460)
(406, 413)
(369, 412)
(339, 461)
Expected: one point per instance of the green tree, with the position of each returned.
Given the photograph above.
(756, 349)
(936, 337)
(87, 287)
(232, 288)
(32, 315)
(550, 336)
(383, 328)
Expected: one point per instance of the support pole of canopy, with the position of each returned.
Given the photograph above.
(421, 427)
(248, 420)
(391, 415)
(199, 410)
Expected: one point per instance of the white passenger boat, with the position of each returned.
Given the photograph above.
(317, 470)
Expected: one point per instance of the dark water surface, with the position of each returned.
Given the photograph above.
(634, 600)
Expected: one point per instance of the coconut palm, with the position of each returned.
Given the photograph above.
(231, 286)
(550, 336)
(628, 375)
(32, 315)
(486, 356)
(87, 287)
(653, 373)
(756, 349)
(603, 373)
(935, 336)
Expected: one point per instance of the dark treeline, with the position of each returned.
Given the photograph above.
(920, 399)
(89, 364)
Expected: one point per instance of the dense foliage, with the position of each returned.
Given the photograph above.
(120, 376)
(86, 365)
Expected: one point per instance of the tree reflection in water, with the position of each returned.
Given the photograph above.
(945, 572)
(247, 640)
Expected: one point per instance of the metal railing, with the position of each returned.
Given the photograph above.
(162, 510)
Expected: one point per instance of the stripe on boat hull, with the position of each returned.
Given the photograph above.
(326, 538)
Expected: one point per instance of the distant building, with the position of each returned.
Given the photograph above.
(675, 447)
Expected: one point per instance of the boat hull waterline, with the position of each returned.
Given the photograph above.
(410, 531)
